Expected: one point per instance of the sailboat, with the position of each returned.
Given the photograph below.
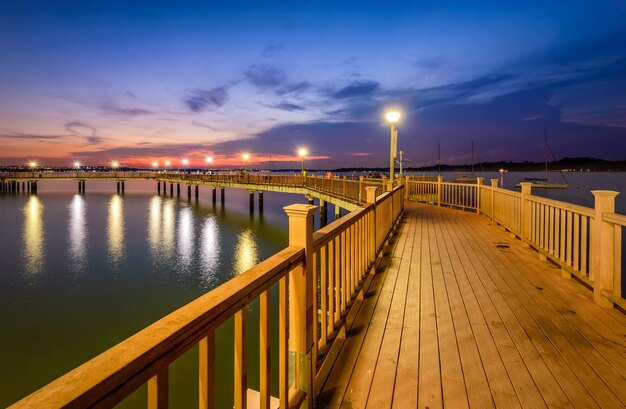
(468, 178)
(544, 183)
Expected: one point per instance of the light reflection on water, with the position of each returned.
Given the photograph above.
(33, 237)
(169, 227)
(185, 236)
(154, 224)
(115, 229)
(246, 252)
(209, 251)
(77, 227)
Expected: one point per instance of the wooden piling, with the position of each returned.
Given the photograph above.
(260, 201)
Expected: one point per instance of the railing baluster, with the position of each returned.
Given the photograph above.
(241, 362)
(324, 292)
(283, 338)
(264, 350)
(206, 366)
(158, 390)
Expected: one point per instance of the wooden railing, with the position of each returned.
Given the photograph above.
(352, 189)
(319, 277)
(586, 242)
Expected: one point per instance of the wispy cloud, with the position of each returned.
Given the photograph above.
(200, 99)
(110, 108)
(265, 76)
(287, 106)
(271, 49)
(356, 89)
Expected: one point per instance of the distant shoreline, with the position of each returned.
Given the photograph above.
(563, 165)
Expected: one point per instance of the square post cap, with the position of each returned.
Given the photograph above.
(300, 210)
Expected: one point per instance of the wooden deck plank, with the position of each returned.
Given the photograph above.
(452, 380)
(568, 338)
(361, 378)
(537, 368)
(407, 373)
(383, 382)
(573, 374)
(456, 321)
(522, 381)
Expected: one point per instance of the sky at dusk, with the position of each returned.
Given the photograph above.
(138, 81)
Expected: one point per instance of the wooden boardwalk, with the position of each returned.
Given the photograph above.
(463, 316)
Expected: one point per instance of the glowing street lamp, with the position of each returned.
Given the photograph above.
(245, 162)
(393, 117)
(77, 165)
(33, 166)
(502, 178)
(302, 152)
(155, 165)
(115, 164)
(209, 161)
(167, 164)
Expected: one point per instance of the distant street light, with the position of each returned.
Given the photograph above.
(393, 118)
(155, 164)
(167, 165)
(77, 165)
(209, 161)
(502, 178)
(115, 165)
(33, 166)
(245, 162)
(302, 152)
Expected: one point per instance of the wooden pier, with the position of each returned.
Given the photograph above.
(464, 316)
(484, 297)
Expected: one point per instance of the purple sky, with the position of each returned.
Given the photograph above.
(143, 81)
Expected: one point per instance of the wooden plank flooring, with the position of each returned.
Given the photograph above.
(463, 316)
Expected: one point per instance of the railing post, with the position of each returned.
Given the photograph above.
(604, 247)
(406, 188)
(525, 216)
(384, 188)
(480, 181)
(301, 302)
(344, 186)
(494, 186)
(371, 198)
(439, 189)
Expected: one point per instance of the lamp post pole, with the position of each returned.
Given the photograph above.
(392, 118)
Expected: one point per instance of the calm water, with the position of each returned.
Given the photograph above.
(81, 273)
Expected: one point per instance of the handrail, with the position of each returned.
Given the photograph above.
(337, 258)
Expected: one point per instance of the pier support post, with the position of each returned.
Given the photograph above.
(260, 201)
(122, 187)
(17, 187)
(251, 195)
(164, 187)
(301, 300)
(196, 192)
(188, 192)
(222, 195)
(323, 213)
(525, 211)
(35, 187)
(80, 186)
(159, 188)
(213, 194)
(118, 187)
(178, 189)
(171, 189)
(604, 248)
(337, 212)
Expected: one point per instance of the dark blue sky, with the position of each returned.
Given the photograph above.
(138, 81)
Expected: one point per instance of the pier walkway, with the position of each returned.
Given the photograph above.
(462, 315)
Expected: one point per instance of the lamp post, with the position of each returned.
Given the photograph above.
(185, 163)
(33, 165)
(401, 161)
(393, 117)
(302, 152)
(245, 162)
(155, 165)
(167, 165)
(502, 178)
(209, 161)
(115, 165)
(77, 166)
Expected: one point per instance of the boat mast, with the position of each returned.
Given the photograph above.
(438, 157)
(547, 147)
(472, 157)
